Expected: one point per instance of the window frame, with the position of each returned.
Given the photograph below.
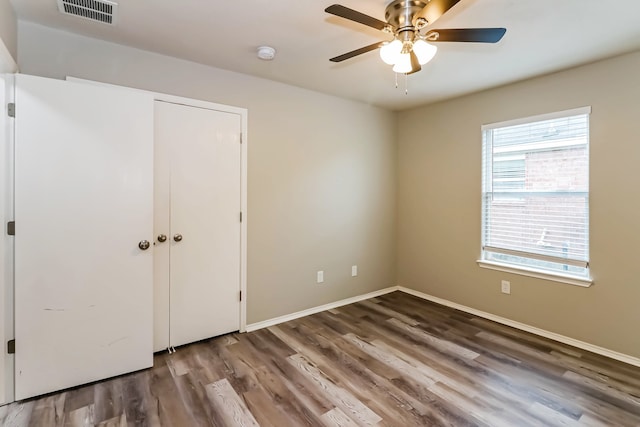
(487, 174)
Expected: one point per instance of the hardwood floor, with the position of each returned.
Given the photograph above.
(395, 360)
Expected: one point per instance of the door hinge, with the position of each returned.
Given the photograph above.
(11, 109)
(240, 295)
(241, 137)
(240, 216)
(11, 228)
(11, 346)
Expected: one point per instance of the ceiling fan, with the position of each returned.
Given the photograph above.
(410, 48)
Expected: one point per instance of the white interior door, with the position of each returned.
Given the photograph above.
(205, 194)
(83, 202)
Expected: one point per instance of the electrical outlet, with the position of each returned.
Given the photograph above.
(506, 287)
(354, 270)
(320, 277)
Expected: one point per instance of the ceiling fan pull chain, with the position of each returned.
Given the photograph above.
(406, 84)
(396, 74)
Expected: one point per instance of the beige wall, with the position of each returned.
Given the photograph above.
(439, 201)
(8, 37)
(321, 187)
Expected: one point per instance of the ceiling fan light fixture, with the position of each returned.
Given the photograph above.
(424, 51)
(390, 51)
(403, 66)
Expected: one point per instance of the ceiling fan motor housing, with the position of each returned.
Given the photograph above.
(400, 13)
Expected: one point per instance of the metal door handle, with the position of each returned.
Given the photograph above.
(177, 237)
(144, 245)
(162, 238)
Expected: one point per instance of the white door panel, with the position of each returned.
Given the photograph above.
(83, 201)
(205, 161)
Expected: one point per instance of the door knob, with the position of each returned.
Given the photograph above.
(177, 237)
(144, 245)
(162, 238)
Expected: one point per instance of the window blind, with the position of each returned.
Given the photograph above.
(535, 192)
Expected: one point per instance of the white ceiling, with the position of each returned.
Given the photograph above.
(542, 36)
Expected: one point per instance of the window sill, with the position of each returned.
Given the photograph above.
(492, 265)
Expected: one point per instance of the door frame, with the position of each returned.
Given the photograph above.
(243, 113)
(6, 242)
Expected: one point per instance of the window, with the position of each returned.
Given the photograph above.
(535, 195)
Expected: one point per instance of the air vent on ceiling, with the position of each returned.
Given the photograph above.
(96, 10)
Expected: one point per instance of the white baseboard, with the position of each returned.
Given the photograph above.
(271, 322)
(527, 328)
(503, 320)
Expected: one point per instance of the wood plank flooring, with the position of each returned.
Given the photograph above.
(395, 360)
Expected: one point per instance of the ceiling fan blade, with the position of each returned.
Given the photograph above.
(354, 15)
(357, 52)
(434, 10)
(473, 35)
(415, 64)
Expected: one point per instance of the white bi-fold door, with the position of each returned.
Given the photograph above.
(83, 204)
(197, 209)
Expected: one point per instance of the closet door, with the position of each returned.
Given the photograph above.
(83, 202)
(204, 237)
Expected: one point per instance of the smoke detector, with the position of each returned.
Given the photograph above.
(103, 11)
(266, 53)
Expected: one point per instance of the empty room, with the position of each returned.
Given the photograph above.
(307, 213)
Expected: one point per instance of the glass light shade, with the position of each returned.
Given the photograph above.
(403, 65)
(424, 51)
(390, 51)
